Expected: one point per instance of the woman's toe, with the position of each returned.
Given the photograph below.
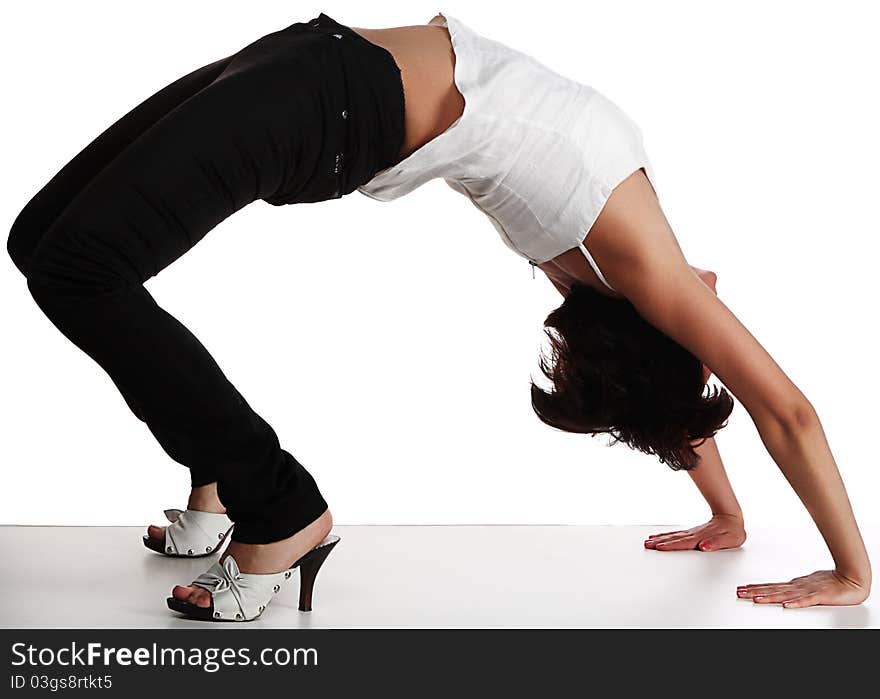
(193, 594)
(155, 532)
(202, 598)
(199, 596)
(182, 593)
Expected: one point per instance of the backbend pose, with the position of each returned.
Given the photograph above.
(313, 112)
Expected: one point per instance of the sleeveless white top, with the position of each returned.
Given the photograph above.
(536, 152)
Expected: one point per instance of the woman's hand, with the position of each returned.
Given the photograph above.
(720, 532)
(822, 587)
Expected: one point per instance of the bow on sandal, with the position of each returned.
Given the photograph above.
(191, 533)
(237, 596)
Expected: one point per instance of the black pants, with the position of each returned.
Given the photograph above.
(304, 114)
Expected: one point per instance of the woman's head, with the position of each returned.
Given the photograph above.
(613, 372)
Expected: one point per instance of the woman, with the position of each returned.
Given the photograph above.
(317, 110)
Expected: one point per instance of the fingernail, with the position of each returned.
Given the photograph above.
(757, 597)
(704, 547)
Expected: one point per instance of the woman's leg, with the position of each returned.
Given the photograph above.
(248, 134)
(42, 210)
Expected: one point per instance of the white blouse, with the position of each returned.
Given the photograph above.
(536, 152)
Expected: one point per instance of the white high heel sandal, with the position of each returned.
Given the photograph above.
(191, 534)
(237, 596)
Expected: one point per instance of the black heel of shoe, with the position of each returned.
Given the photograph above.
(308, 566)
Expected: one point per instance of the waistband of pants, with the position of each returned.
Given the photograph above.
(378, 83)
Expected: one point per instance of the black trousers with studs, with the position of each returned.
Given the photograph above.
(304, 114)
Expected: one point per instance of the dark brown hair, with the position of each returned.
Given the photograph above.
(613, 372)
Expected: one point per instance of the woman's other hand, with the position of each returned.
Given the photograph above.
(720, 532)
(827, 587)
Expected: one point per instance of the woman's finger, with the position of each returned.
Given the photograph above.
(763, 589)
(712, 543)
(753, 586)
(651, 543)
(677, 531)
(774, 597)
(681, 543)
(809, 600)
(666, 540)
(670, 537)
(766, 590)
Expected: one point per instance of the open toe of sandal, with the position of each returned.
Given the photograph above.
(191, 534)
(237, 596)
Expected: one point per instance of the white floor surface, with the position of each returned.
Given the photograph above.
(429, 577)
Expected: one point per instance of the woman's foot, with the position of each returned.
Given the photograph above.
(263, 558)
(202, 498)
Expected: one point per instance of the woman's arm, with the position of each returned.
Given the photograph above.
(634, 245)
(725, 529)
(711, 480)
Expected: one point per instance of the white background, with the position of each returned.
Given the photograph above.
(390, 345)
